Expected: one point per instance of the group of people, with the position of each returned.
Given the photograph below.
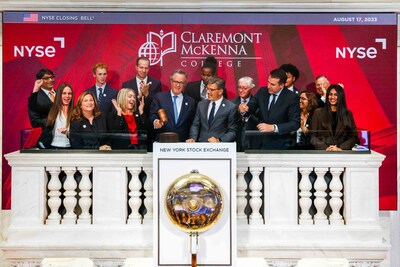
(281, 115)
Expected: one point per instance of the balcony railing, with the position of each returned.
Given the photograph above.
(98, 205)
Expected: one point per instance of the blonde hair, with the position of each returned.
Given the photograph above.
(122, 96)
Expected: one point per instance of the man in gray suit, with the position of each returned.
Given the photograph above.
(216, 117)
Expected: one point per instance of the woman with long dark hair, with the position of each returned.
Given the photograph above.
(333, 127)
(88, 128)
(308, 103)
(56, 131)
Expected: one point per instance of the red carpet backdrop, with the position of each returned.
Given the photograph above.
(358, 50)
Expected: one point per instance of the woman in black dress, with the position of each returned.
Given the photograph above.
(88, 128)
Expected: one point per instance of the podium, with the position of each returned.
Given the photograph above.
(216, 246)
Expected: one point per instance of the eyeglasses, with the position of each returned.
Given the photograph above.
(178, 83)
(243, 88)
(49, 78)
(212, 89)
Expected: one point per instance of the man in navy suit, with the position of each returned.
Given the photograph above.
(293, 74)
(142, 84)
(42, 97)
(216, 117)
(278, 112)
(178, 107)
(198, 89)
(147, 87)
(103, 92)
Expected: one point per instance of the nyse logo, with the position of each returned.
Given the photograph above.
(39, 50)
(360, 52)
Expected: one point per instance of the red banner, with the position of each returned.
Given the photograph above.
(359, 54)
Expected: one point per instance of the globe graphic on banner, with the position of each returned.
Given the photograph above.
(150, 50)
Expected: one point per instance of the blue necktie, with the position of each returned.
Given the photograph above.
(211, 116)
(101, 96)
(176, 109)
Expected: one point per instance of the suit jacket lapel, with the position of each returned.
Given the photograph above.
(170, 107)
(263, 103)
(219, 111)
(184, 109)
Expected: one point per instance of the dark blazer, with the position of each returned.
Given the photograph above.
(319, 101)
(186, 115)
(109, 94)
(285, 114)
(303, 141)
(223, 127)
(242, 122)
(39, 105)
(323, 136)
(46, 138)
(192, 89)
(119, 131)
(154, 88)
(296, 90)
(84, 135)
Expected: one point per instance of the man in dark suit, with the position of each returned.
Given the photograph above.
(142, 84)
(293, 74)
(103, 92)
(147, 87)
(245, 86)
(41, 99)
(321, 85)
(278, 112)
(198, 89)
(178, 107)
(216, 117)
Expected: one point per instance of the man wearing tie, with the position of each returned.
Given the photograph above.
(216, 117)
(147, 87)
(244, 88)
(278, 112)
(142, 84)
(103, 92)
(178, 107)
(41, 98)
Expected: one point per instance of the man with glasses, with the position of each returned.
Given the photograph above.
(178, 107)
(244, 88)
(216, 117)
(41, 98)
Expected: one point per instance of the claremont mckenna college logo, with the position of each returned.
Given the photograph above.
(158, 45)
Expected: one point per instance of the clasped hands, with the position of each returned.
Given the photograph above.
(333, 148)
(144, 90)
